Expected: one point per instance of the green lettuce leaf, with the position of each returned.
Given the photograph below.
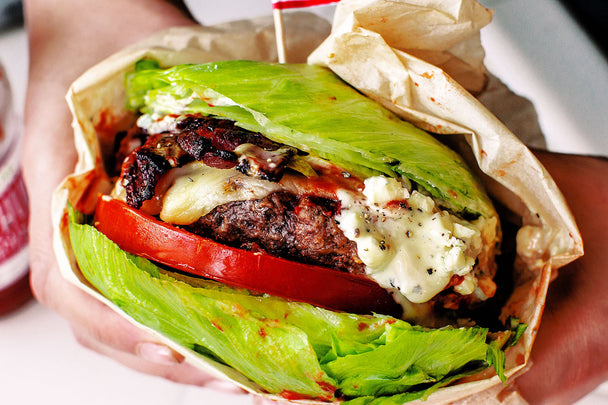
(312, 109)
(408, 357)
(283, 346)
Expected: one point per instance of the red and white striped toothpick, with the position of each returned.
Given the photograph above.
(277, 7)
(284, 4)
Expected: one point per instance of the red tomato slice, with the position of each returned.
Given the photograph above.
(143, 235)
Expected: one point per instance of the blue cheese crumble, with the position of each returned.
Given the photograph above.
(408, 244)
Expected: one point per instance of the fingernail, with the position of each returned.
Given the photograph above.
(158, 353)
(257, 400)
(225, 386)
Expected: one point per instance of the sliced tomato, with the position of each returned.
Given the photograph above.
(144, 235)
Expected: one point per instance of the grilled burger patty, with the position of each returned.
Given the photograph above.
(285, 225)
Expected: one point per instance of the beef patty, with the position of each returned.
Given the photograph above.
(285, 225)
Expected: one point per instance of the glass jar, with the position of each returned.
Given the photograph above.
(14, 259)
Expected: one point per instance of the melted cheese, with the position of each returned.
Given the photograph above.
(413, 249)
(197, 189)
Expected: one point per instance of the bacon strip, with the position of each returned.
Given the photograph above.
(211, 140)
(143, 168)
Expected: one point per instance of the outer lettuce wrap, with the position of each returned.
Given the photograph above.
(355, 353)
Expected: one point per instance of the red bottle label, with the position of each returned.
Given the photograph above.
(13, 231)
(14, 258)
(13, 218)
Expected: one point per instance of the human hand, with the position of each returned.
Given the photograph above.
(570, 355)
(66, 37)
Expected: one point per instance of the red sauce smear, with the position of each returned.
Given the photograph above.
(394, 204)
(294, 396)
(325, 386)
(217, 325)
(454, 281)
(331, 178)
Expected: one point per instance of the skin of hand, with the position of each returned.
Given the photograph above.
(65, 38)
(570, 354)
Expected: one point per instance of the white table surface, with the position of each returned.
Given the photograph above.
(539, 53)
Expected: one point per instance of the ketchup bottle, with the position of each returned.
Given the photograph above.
(14, 260)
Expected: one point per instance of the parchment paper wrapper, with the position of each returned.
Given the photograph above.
(377, 46)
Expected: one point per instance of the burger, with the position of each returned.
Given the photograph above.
(306, 184)
(282, 230)
(273, 218)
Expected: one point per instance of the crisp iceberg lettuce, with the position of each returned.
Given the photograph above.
(286, 347)
(310, 108)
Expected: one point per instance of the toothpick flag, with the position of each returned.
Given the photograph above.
(284, 4)
(277, 6)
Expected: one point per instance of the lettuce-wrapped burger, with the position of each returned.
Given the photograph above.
(280, 228)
